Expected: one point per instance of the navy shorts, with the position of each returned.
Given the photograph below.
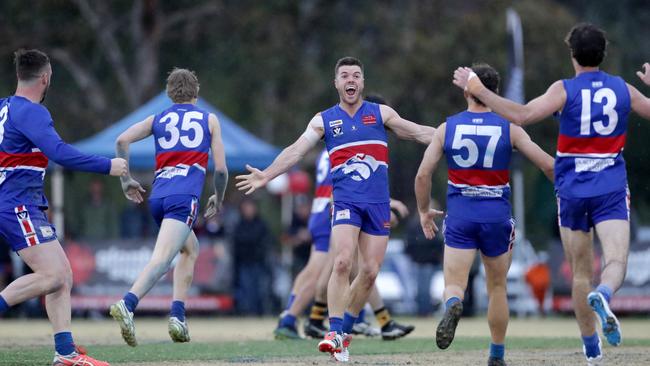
(25, 226)
(492, 239)
(181, 207)
(321, 243)
(584, 213)
(372, 218)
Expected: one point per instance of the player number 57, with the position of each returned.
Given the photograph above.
(494, 132)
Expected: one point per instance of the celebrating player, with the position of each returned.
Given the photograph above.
(645, 74)
(478, 145)
(27, 140)
(355, 136)
(590, 176)
(311, 283)
(184, 134)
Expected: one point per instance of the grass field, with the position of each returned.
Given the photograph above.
(233, 341)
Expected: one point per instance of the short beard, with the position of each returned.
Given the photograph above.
(44, 93)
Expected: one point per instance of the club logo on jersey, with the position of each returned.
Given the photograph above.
(369, 119)
(360, 166)
(477, 120)
(22, 215)
(337, 131)
(343, 214)
(354, 128)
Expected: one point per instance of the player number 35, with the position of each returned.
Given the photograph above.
(190, 123)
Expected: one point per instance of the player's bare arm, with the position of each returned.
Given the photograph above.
(405, 129)
(287, 158)
(132, 188)
(522, 142)
(534, 111)
(645, 74)
(639, 102)
(429, 162)
(220, 178)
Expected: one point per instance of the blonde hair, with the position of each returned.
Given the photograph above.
(182, 85)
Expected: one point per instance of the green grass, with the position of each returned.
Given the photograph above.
(258, 351)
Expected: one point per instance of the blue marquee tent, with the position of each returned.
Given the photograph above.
(241, 146)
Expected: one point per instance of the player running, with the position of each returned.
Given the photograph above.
(590, 176)
(309, 285)
(355, 136)
(478, 145)
(184, 134)
(27, 140)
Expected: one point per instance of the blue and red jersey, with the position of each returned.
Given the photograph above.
(182, 138)
(593, 125)
(320, 221)
(27, 140)
(478, 150)
(358, 152)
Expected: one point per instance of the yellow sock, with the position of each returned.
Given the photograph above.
(318, 311)
(383, 317)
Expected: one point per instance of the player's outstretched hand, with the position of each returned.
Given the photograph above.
(132, 190)
(251, 182)
(645, 75)
(428, 225)
(119, 167)
(400, 207)
(213, 207)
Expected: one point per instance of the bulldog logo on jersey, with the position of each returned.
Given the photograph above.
(360, 166)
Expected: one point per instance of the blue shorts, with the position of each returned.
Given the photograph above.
(25, 226)
(584, 213)
(372, 218)
(492, 239)
(321, 242)
(181, 207)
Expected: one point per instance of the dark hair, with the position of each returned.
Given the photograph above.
(347, 61)
(30, 64)
(488, 76)
(588, 44)
(182, 85)
(375, 98)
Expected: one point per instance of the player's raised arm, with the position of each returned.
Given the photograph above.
(522, 142)
(220, 178)
(131, 188)
(639, 102)
(423, 183)
(534, 111)
(285, 160)
(645, 74)
(405, 129)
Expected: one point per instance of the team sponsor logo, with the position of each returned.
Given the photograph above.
(369, 119)
(338, 122)
(360, 167)
(596, 84)
(343, 214)
(477, 120)
(592, 165)
(46, 231)
(173, 172)
(487, 192)
(354, 128)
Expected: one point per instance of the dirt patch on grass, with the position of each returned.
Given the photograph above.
(613, 356)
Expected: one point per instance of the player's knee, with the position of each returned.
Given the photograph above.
(369, 271)
(342, 265)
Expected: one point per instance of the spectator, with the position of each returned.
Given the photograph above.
(426, 256)
(298, 237)
(251, 245)
(98, 216)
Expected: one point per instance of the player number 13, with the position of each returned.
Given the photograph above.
(608, 110)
